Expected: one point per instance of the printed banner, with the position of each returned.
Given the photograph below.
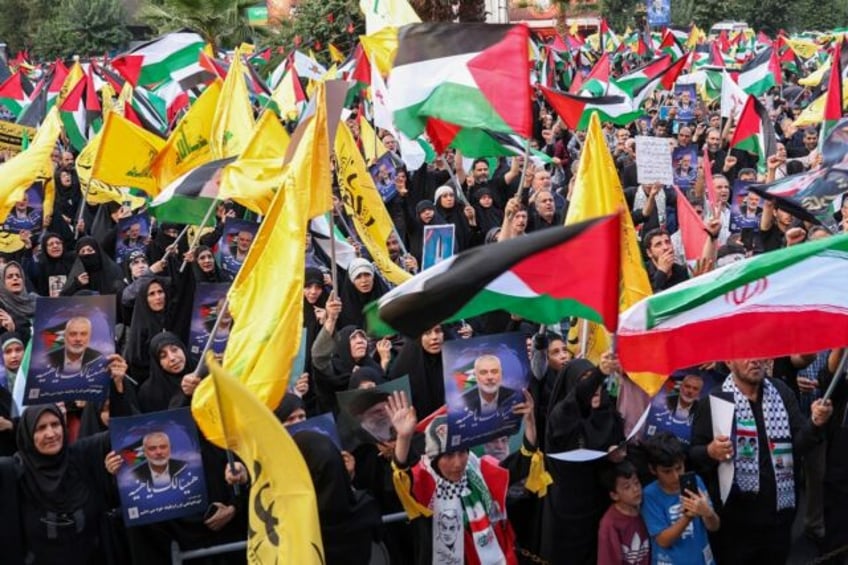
(208, 299)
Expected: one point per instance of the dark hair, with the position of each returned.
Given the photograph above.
(747, 171)
(664, 450)
(623, 470)
(479, 160)
(656, 232)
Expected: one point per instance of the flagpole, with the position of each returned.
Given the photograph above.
(197, 236)
(837, 376)
(520, 192)
(200, 369)
(459, 192)
(333, 267)
(81, 210)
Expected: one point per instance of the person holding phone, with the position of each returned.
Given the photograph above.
(676, 507)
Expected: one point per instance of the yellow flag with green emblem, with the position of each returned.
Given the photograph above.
(125, 155)
(232, 123)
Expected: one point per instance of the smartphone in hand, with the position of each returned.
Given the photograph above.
(688, 482)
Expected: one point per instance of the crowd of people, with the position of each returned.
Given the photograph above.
(655, 497)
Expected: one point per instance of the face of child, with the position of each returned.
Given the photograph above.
(669, 476)
(628, 491)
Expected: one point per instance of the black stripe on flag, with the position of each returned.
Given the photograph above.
(422, 42)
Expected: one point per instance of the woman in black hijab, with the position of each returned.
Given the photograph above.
(335, 357)
(421, 359)
(465, 234)
(17, 306)
(361, 287)
(424, 214)
(93, 270)
(150, 317)
(581, 416)
(168, 361)
(49, 272)
(349, 519)
(61, 492)
(488, 216)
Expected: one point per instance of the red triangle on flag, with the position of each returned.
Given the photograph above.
(129, 67)
(441, 134)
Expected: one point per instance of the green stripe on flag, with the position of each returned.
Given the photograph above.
(184, 210)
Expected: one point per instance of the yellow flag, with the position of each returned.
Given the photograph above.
(815, 78)
(74, 76)
(382, 13)
(363, 203)
(336, 54)
(373, 147)
(233, 120)
(126, 154)
(588, 339)
(381, 47)
(814, 113)
(802, 47)
(283, 512)
(692, 40)
(49, 197)
(10, 242)
(258, 172)
(188, 146)
(19, 172)
(597, 192)
(98, 192)
(266, 298)
(285, 96)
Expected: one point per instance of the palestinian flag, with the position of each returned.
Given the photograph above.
(165, 58)
(755, 132)
(34, 113)
(607, 39)
(665, 68)
(833, 98)
(575, 111)
(80, 112)
(783, 302)
(597, 81)
(188, 198)
(478, 142)
(670, 46)
(13, 95)
(513, 275)
(472, 75)
(760, 73)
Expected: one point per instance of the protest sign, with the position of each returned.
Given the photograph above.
(72, 338)
(161, 476)
(208, 300)
(362, 413)
(323, 424)
(12, 135)
(234, 244)
(653, 160)
(484, 379)
(438, 244)
(673, 408)
(132, 234)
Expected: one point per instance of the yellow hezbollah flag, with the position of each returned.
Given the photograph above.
(336, 54)
(802, 47)
(814, 113)
(283, 512)
(363, 203)
(814, 79)
(285, 97)
(381, 47)
(587, 339)
(233, 119)
(19, 172)
(253, 178)
(597, 192)
(373, 147)
(97, 192)
(126, 154)
(382, 13)
(266, 298)
(188, 146)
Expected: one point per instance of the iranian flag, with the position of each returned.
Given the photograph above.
(755, 132)
(162, 59)
(760, 73)
(471, 75)
(523, 276)
(788, 301)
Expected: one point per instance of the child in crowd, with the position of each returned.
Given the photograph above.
(622, 536)
(677, 521)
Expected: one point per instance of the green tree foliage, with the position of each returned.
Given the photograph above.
(449, 11)
(70, 27)
(219, 22)
(317, 23)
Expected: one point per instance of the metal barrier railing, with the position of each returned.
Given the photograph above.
(178, 556)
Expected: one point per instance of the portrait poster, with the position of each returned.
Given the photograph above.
(501, 447)
(484, 378)
(161, 476)
(362, 413)
(323, 424)
(686, 100)
(133, 234)
(72, 337)
(208, 300)
(737, 196)
(235, 242)
(667, 414)
(438, 245)
(659, 12)
(383, 172)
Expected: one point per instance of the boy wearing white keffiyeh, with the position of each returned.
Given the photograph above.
(461, 498)
(769, 436)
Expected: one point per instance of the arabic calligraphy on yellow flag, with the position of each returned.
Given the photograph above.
(283, 513)
(98, 192)
(19, 172)
(363, 203)
(188, 145)
(125, 155)
(253, 178)
(267, 295)
(232, 122)
(597, 192)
